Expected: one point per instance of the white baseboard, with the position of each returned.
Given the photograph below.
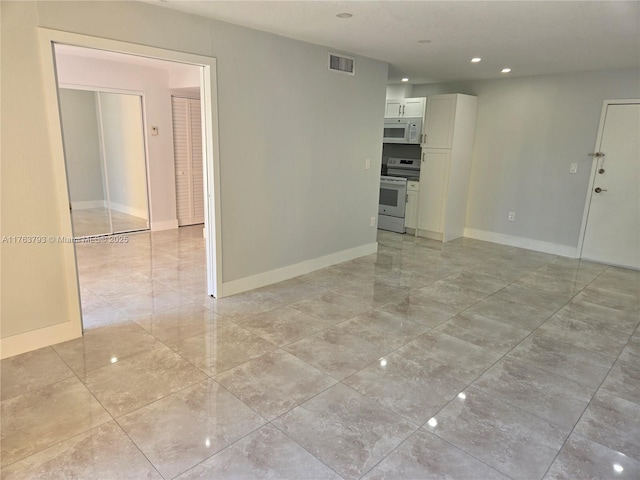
(42, 337)
(430, 235)
(88, 204)
(292, 271)
(164, 225)
(129, 210)
(522, 242)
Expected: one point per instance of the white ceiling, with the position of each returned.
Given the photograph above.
(530, 37)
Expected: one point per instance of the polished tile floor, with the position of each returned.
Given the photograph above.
(467, 360)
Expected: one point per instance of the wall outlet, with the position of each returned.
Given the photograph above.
(372, 222)
(573, 168)
(367, 164)
(512, 216)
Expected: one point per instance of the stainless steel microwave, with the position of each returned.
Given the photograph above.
(403, 130)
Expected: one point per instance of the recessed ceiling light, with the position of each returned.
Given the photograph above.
(405, 79)
(344, 15)
(424, 41)
(506, 70)
(475, 59)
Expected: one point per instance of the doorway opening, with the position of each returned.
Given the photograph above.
(178, 67)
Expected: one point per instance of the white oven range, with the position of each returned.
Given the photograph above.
(393, 192)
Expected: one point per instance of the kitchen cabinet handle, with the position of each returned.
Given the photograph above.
(399, 109)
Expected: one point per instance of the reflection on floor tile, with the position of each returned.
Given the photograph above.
(266, 453)
(136, 381)
(582, 458)
(174, 324)
(613, 422)
(463, 359)
(222, 348)
(179, 431)
(508, 439)
(412, 390)
(103, 346)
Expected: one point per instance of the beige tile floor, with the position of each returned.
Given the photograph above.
(467, 360)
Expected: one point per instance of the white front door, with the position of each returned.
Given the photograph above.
(612, 232)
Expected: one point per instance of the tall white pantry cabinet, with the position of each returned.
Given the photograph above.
(448, 133)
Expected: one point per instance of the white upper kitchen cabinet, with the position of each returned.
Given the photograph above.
(405, 107)
(439, 122)
(446, 166)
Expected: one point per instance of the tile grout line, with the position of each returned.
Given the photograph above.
(589, 404)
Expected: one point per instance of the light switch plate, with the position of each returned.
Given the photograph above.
(573, 168)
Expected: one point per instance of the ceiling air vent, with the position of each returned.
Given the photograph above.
(342, 64)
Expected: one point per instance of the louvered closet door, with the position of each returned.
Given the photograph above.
(187, 144)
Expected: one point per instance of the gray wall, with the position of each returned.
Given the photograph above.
(293, 143)
(529, 130)
(82, 146)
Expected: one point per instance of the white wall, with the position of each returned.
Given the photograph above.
(293, 143)
(154, 83)
(529, 130)
(82, 147)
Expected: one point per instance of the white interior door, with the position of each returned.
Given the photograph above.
(612, 233)
(187, 144)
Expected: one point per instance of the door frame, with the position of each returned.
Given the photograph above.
(211, 154)
(594, 164)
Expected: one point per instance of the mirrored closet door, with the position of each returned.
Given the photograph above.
(105, 156)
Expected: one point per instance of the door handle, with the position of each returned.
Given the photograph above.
(598, 190)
